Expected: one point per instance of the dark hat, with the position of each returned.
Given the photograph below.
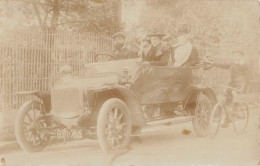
(156, 32)
(119, 35)
(183, 30)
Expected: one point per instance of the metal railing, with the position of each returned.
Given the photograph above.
(30, 60)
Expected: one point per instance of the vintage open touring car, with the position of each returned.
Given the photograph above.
(114, 100)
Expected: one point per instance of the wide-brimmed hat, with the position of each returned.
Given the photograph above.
(119, 35)
(156, 32)
(184, 30)
(167, 38)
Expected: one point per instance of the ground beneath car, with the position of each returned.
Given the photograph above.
(169, 146)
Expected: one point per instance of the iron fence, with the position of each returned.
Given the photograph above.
(30, 60)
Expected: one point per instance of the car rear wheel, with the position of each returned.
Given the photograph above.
(215, 120)
(202, 115)
(113, 125)
(28, 123)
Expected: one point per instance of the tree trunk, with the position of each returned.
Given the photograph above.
(55, 15)
(118, 14)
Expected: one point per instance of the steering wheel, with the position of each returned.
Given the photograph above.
(103, 57)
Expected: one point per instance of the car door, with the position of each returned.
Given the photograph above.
(165, 84)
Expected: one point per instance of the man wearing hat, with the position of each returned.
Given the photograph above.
(185, 54)
(121, 51)
(155, 53)
(146, 42)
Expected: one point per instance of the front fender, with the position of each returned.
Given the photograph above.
(134, 106)
(29, 103)
(45, 96)
(123, 93)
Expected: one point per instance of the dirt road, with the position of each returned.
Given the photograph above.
(164, 147)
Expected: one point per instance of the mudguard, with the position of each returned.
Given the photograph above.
(190, 102)
(124, 94)
(45, 96)
(134, 106)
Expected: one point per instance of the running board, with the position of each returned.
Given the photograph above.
(170, 121)
(156, 125)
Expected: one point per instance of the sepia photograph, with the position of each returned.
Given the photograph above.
(129, 82)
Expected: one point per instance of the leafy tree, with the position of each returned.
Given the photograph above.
(77, 15)
(212, 23)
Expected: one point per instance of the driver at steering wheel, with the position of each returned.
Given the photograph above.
(120, 50)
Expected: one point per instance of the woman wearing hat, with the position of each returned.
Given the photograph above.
(169, 44)
(145, 44)
(155, 53)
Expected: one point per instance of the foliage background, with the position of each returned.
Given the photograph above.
(220, 27)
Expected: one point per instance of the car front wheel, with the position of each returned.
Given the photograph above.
(113, 125)
(28, 124)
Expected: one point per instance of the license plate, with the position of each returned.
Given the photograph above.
(69, 133)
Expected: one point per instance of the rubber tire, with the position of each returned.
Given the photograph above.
(237, 131)
(101, 123)
(19, 127)
(212, 132)
(195, 123)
